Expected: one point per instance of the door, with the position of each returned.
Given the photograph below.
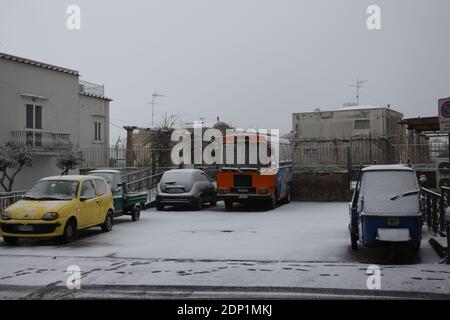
(89, 205)
(33, 123)
(104, 199)
(208, 187)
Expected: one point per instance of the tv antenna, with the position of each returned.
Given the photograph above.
(359, 85)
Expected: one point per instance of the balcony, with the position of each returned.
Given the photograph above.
(90, 88)
(41, 140)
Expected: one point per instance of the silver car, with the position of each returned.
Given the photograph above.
(185, 187)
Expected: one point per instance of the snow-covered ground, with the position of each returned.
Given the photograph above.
(299, 245)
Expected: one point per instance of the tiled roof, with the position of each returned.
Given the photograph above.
(38, 64)
(95, 96)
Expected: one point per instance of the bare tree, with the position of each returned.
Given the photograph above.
(12, 161)
(69, 159)
(159, 139)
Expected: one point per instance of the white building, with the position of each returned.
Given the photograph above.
(49, 108)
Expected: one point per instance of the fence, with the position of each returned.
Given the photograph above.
(8, 198)
(344, 153)
(120, 157)
(433, 208)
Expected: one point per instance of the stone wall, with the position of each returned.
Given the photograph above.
(321, 186)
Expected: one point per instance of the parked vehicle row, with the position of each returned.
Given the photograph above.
(385, 208)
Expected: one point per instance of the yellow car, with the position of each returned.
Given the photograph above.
(58, 207)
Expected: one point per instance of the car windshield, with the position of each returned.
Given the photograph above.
(390, 192)
(53, 190)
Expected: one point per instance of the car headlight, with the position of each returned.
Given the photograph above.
(263, 190)
(6, 216)
(50, 216)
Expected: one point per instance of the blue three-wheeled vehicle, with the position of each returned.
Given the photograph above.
(385, 208)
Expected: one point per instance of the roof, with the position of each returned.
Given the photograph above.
(349, 108)
(389, 167)
(95, 96)
(38, 64)
(422, 124)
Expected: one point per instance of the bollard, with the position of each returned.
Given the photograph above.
(447, 222)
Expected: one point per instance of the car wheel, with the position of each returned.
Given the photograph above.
(199, 203)
(228, 205)
(160, 207)
(11, 241)
(108, 224)
(214, 202)
(70, 232)
(354, 241)
(136, 214)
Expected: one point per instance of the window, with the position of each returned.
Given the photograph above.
(100, 186)
(87, 190)
(97, 131)
(33, 116)
(362, 124)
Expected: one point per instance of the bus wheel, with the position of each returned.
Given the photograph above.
(228, 205)
(354, 241)
(288, 197)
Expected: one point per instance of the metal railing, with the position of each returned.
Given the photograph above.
(433, 206)
(340, 154)
(40, 140)
(91, 88)
(9, 198)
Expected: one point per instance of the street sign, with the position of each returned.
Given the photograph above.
(444, 115)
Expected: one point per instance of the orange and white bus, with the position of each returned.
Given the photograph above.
(241, 179)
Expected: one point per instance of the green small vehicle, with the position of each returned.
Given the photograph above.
(125, 203)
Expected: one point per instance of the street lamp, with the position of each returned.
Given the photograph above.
(154, 96)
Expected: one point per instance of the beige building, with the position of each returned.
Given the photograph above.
(350, 134)
(50, 109)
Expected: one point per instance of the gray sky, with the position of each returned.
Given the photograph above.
(251, 62)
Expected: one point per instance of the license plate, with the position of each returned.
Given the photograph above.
(25, 228)
(243, 196)
(393, 222)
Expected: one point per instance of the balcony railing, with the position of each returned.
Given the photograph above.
(91, 88)
(41, 140)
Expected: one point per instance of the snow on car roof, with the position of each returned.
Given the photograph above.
(389, 167)
(184, 170)
(69, 178)
(105, 171)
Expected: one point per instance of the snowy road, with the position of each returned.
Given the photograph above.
(297, 248)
